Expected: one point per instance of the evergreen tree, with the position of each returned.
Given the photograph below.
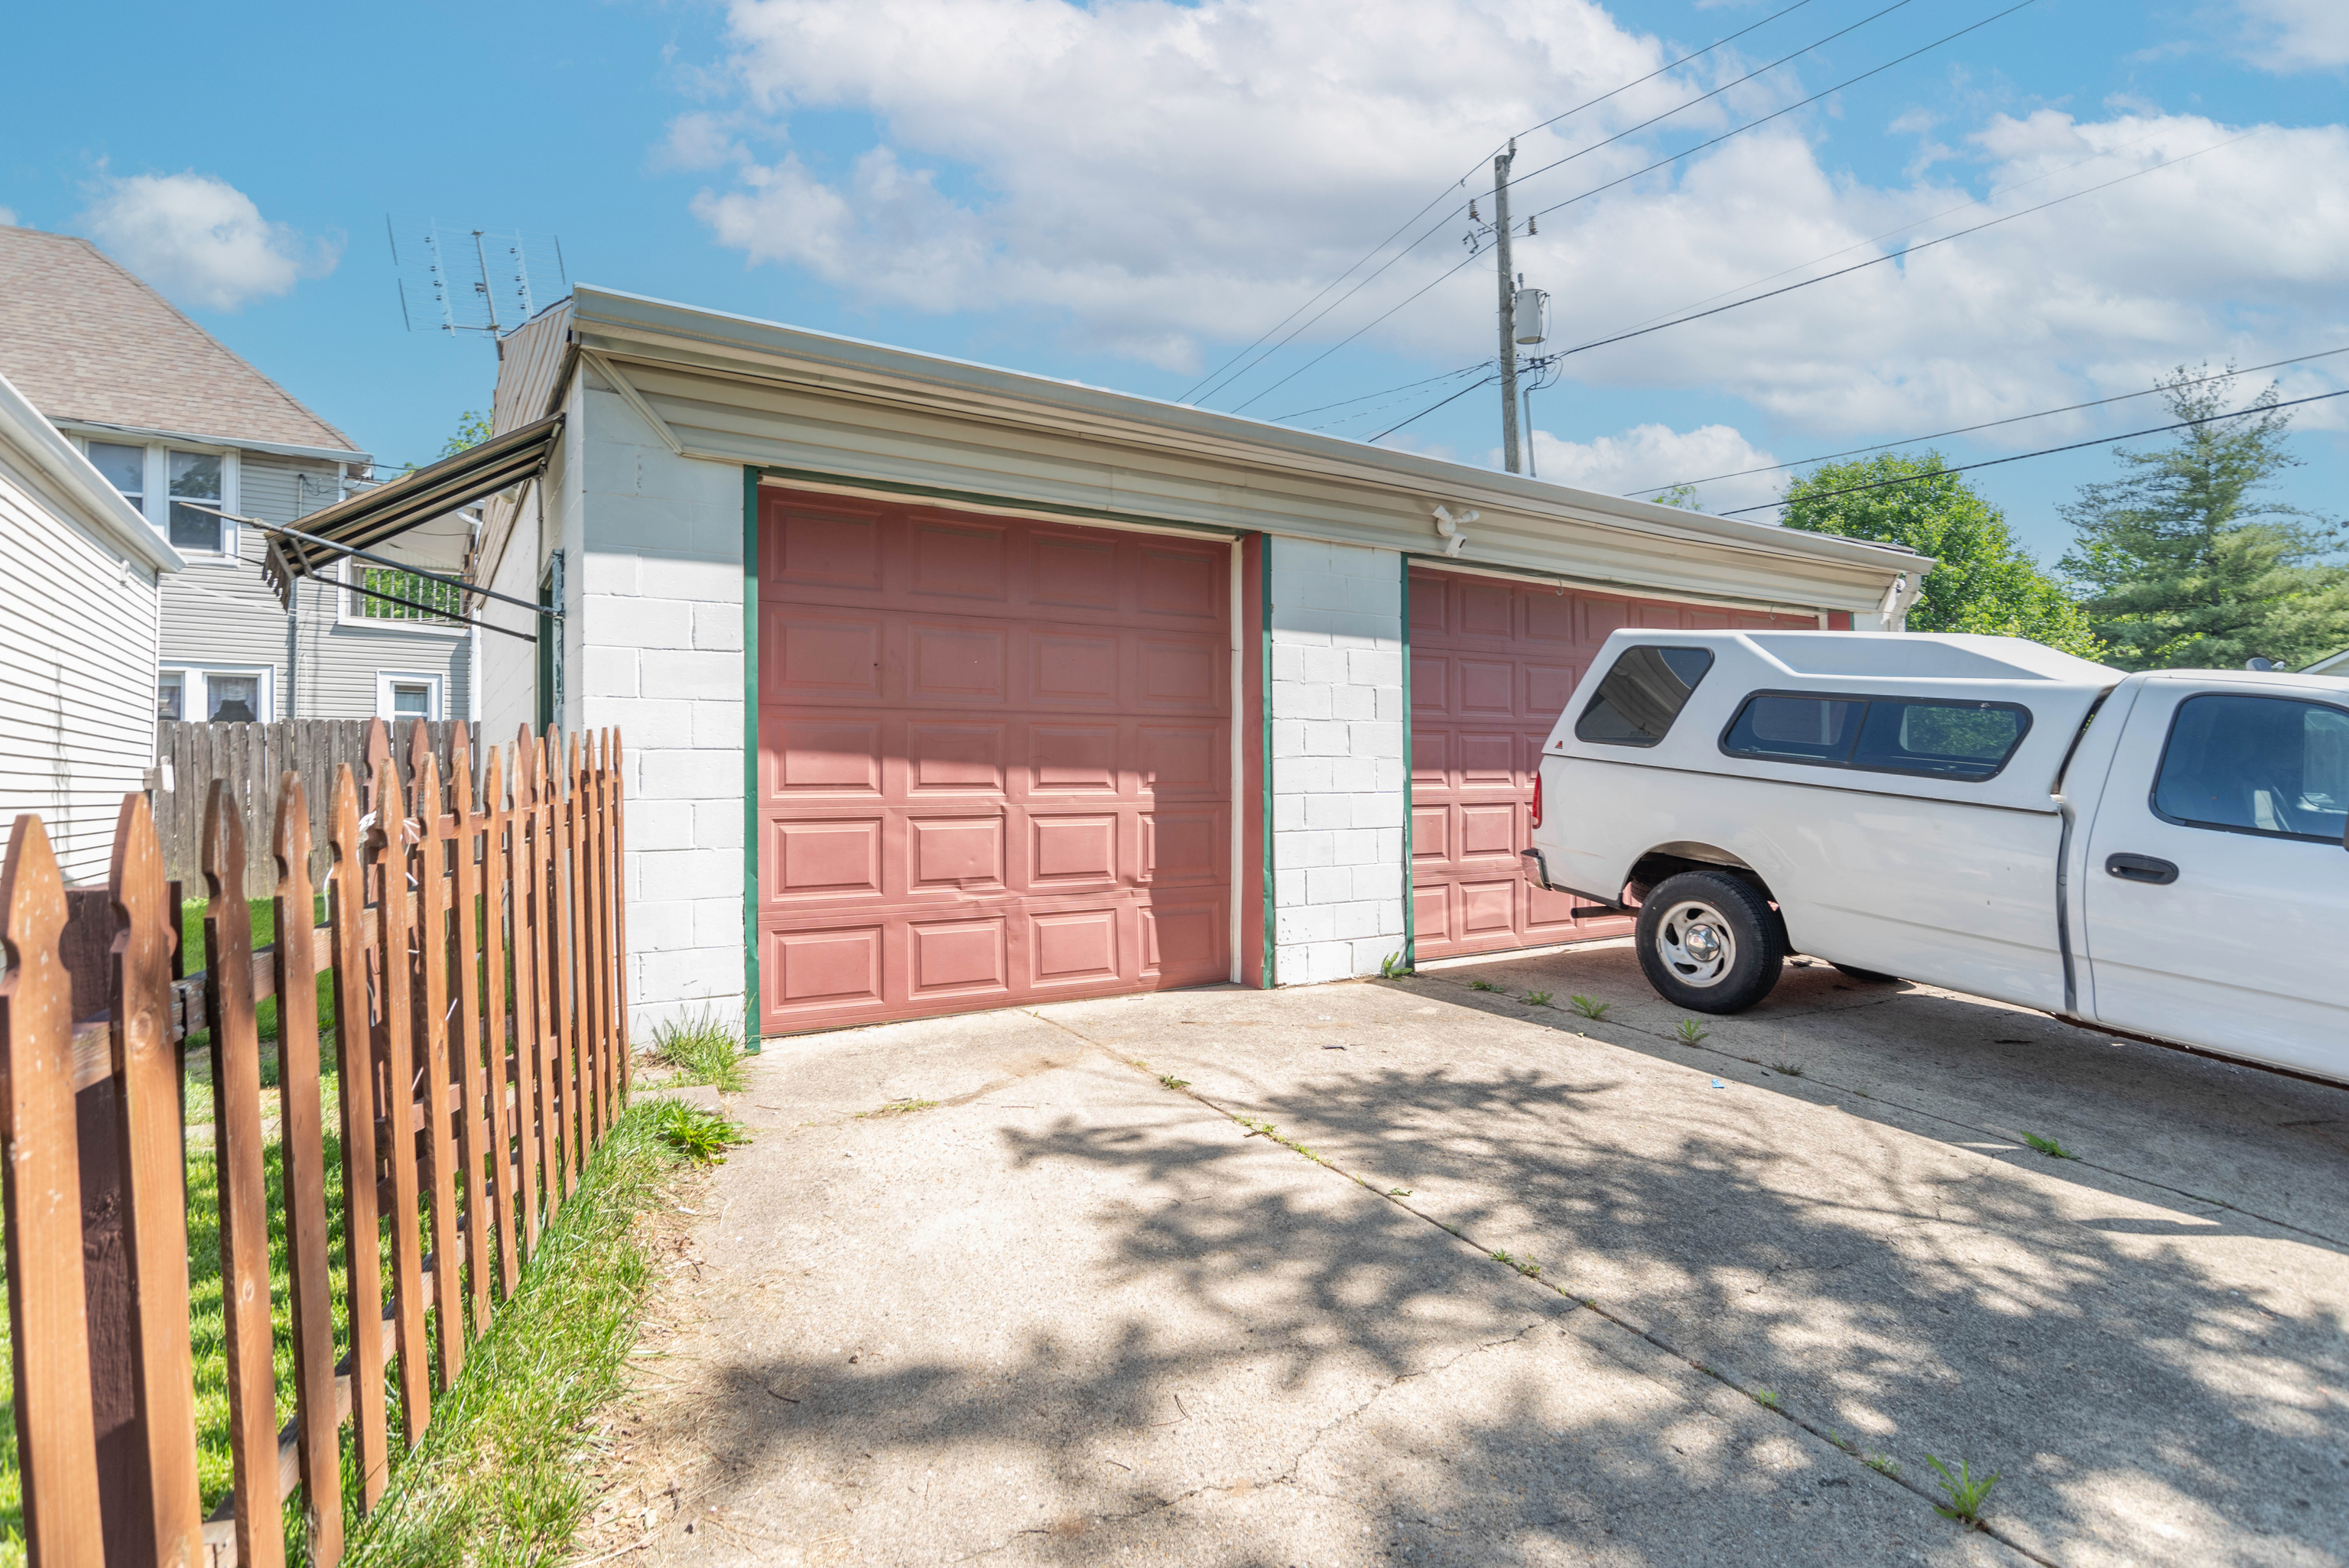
(1983, 581)
(2181, 563)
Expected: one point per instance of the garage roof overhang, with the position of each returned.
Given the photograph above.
(811, 406)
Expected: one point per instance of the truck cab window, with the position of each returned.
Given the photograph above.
(1962, 740)
(2264, 765)
(1645, 691)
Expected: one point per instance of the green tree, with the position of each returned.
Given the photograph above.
(473, 429)
(1982, 581)
(2182, 561)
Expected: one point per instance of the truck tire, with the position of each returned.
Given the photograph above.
(1709, 943)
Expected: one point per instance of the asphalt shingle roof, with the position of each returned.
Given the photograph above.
(82, 339)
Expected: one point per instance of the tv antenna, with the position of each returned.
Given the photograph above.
(474, 280)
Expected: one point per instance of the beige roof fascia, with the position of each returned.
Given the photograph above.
(1263, 476)
(62, 464)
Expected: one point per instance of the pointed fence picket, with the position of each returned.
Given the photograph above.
(475, 950)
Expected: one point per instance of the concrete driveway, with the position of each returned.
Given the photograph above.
(1070, 1313)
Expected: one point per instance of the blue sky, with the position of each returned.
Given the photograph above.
(1126, 194)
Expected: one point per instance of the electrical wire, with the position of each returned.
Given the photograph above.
(1994, 424)
(1382, 244)
(1431, 409)
(2047, 451)
(1406, 387)
(1610, 185)
(1790, 108)
(1904, 254)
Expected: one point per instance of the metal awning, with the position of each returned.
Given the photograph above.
(413, 499)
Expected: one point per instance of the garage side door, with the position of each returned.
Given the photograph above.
(1492, 664)
(994, 761)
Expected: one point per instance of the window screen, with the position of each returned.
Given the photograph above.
(194, 476)
(1965, 740)
(1645, 691)
(2257, 765)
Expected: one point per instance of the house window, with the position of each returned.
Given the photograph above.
(219, 697)
(125, 469)
(427, 602)
(194, 476)
(405, 696)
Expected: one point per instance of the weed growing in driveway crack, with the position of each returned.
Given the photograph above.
(1394, 966)
(1260, 1128)
(1882, 1464)
(1691, 1032)
(1590, 1006)
(1767, 1398)
(1966, 1494)
(1398, 1192)
(1529, 1267)
(2049, 1147)
(1538, 998)
(897, 1108)
(702, 1136)
(1171, 1082)
(704, 1048)
(1482, 985)
(1792, 1069)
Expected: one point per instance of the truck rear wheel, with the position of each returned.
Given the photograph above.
(1709, 943)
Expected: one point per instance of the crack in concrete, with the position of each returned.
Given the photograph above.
(1775, 1408)
(2002, 1135)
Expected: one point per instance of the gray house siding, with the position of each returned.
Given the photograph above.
(219, 613)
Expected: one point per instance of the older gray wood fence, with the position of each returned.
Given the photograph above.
(252, 758)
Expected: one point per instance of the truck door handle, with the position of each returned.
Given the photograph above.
(2142, 869)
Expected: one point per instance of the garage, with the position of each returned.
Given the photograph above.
(994, 760)
(1493, 661)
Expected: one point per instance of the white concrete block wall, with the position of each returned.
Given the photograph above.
(1338, 763)
(656, 650)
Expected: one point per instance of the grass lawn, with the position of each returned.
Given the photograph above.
(495, 1457)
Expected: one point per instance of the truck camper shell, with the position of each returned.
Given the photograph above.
(2056, 690)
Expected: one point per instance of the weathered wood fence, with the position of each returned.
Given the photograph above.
(252, 758)
(476, 953)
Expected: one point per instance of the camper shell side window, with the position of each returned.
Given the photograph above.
(1965, 742)
(1643, 694)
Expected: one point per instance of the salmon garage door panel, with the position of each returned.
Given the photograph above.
(994, 761)
(1492, 665)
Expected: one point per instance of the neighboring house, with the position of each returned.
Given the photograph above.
(1018, 690)
(80, 601)
(173, 417)
(2338, 665)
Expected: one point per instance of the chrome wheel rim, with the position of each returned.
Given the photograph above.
(1696, 943)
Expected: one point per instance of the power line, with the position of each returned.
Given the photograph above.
(1902, 255)
(1994, 424)
(1406, 387)
(1382, 244)
(1595, 190)
(2046, 451)
(1790, 108)
(1431, 409)
(1692, 103)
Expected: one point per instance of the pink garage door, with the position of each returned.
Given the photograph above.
(994, 761)
(1492, 664)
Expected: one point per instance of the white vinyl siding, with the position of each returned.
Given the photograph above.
(76, 673)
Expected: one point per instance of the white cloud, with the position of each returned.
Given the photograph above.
(2296, 35)
(201, 240)
(7, 218)
(1162, 177)
(1647, 457)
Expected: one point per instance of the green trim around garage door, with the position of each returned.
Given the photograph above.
(1264, 715)
(753, 1008)
(1410, 904)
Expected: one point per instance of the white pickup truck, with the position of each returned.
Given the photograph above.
(2159, 854)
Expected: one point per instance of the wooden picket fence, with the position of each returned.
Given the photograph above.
(476, 951)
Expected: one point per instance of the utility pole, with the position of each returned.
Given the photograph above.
(1507, 278)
